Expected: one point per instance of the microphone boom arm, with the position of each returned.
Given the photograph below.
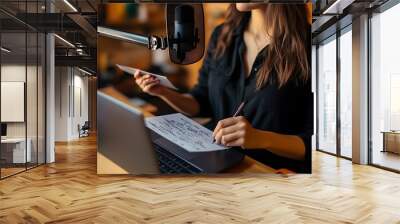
(151, 42)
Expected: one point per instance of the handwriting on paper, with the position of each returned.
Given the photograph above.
(184, 132)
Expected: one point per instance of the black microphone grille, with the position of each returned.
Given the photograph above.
(184, 14)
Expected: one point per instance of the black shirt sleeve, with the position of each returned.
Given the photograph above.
(200, 90)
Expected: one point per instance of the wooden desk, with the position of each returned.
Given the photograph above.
(248, 165)
(391, 141)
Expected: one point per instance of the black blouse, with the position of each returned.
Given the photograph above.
(223, 85)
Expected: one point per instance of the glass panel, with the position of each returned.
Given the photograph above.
(13, 89)
(31, 100)
(346, 94)
(385, 89)
(23, 81)
(32, 89)
(314, 89)
(41, 99)
(327, 96)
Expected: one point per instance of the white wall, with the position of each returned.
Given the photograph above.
(62, 81)
(33, 126)
(71, 102)
(81, 104)
(15, 73)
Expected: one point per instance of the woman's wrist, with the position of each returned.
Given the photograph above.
(163, 92)
(166, 93)
(261, 139)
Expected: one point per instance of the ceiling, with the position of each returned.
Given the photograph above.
(79, 27)
(332, 15)
(74, 22)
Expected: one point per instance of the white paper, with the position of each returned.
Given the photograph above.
(163, 80)
(184, 132)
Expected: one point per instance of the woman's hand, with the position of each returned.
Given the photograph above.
(149, 84)
(235, 131)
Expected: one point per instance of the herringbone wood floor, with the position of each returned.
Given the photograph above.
(69, 191)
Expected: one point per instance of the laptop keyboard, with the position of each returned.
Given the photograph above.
(171, 164)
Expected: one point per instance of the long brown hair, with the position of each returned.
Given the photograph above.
(287, 53)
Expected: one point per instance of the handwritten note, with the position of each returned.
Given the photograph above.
(184, 132)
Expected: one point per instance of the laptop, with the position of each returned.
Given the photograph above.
(124, 139)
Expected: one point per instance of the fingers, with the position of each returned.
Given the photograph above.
(150, 85)
(232, 137)
(224, 123)
(238, 142)
(137, 74)
(141, 79)
(231, 131)
(144, 81)
(147, 85)
(147, 81)
(225, 131)
(138, 78)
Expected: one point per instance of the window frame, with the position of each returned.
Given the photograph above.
(381, 9)
(334, 37)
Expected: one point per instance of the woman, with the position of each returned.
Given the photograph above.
(259, 56)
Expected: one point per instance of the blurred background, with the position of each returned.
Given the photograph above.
(148, 19)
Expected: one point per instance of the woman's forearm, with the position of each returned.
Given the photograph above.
(183, 103)
(290, 146)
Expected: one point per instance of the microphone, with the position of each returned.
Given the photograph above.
(185, 36)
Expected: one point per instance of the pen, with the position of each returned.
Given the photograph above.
(240, 108)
